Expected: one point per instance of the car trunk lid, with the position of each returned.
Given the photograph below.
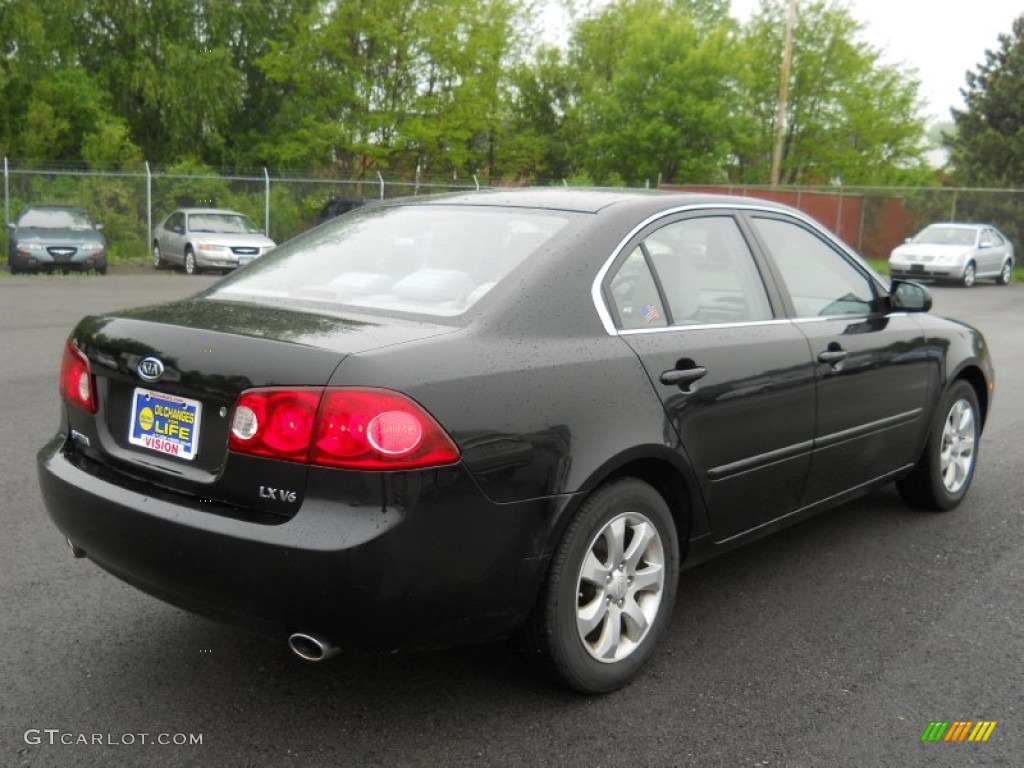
(167, 378)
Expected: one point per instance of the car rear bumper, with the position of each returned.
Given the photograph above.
(382, 561)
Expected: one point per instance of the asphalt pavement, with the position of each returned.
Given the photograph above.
(833, 643)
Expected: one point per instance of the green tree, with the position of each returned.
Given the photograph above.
(540, 136)
(649, 92)
(987, 148)
(171, 78)
(849, 116)
(391, 84)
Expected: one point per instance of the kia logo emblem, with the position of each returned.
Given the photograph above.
(150, 369)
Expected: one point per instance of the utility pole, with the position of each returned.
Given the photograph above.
(780, 120)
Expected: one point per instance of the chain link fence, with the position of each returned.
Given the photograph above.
(129, 204)
(874, 220)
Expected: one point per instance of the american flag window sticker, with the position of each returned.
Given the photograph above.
(651, 314)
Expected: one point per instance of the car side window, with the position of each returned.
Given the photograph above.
(175, 222)
(819, 279)
(635, 294)
(707, 272)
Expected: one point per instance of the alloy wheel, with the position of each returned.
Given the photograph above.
(619, 588)
(969, 275)
(957, 449)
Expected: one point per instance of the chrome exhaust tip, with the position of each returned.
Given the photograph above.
(311, 647)
(76, 550)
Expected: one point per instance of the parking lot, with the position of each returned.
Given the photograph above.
(835, 642)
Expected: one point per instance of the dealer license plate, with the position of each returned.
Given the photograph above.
(165, 423)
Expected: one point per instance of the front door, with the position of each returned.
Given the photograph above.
(872, 365)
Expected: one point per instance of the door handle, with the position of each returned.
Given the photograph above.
(832, 356)
(683, 377)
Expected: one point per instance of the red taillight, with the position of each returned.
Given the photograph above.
(340, 427)
(77, 385)
(275, 422)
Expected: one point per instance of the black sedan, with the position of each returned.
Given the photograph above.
(447, 420)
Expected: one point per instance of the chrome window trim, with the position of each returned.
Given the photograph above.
(703, 326)
(606, 318)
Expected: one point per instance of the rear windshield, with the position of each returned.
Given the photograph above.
(426, 259)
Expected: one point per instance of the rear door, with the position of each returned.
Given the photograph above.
(992, 251)
(172, 238)
(874, 371)
(737, 383)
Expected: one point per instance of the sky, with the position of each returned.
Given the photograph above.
(940, 43)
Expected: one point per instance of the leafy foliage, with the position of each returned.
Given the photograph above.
(644, 91)
(849, 118)
(988, 146)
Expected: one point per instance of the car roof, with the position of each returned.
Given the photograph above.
(51, 207)
(959, 225)
(590, 200)
(208, 210)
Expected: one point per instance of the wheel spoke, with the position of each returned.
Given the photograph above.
(594, 571)
(651, 576)
(615, 537)
(589, 616)
(642, 536)
(635, 621)
(611, 635)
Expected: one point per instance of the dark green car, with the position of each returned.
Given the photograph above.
(55, 237)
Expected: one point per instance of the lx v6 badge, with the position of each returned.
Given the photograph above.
(278, 494)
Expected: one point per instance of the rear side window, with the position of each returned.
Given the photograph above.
(635, 294)
(708, 273)
(427, 259)
(698, 271)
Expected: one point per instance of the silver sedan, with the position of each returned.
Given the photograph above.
(962, 253)
(208, 238)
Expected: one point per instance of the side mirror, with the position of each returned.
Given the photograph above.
(906, 296)
(97, 226)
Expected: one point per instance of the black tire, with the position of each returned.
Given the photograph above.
(970, 275)
(191, 268)
(642, 585)
(1005, 274)
(158, 258)
(943, 474)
